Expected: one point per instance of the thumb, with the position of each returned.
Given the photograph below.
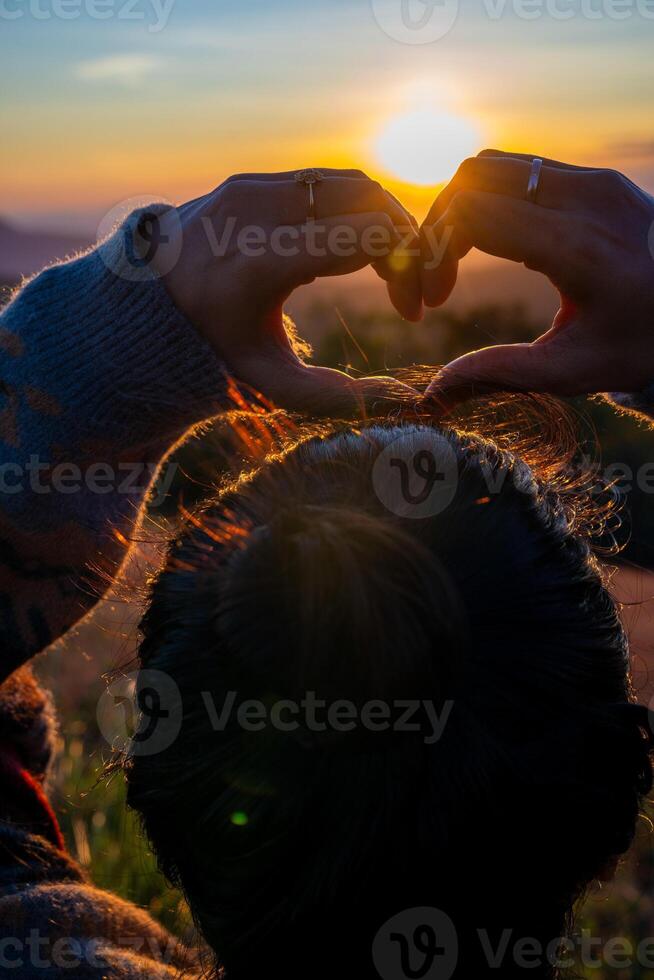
(285, 381)
(506, 367)
(322, 391)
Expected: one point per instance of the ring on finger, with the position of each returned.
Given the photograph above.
(533, 183)
(309, 178)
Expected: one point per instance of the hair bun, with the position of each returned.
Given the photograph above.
(353, 607)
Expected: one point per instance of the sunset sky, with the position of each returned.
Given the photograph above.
(96, 111)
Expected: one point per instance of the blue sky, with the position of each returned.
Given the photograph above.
(93, 111)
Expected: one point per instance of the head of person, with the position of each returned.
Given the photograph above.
(404, 685)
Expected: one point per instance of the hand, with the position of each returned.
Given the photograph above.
(592, 234)
(246, 246)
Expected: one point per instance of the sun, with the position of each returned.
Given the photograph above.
(425, 146)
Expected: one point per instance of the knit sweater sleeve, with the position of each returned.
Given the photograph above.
(100, 375)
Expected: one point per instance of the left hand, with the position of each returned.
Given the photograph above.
(245, 247)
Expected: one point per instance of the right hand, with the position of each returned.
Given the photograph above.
(233, 287)
(592, 234)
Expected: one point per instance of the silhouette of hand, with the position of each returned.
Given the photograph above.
(246, 246)
(592, 234)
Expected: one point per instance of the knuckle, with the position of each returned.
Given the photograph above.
(609, 181)
(468, 167)
(234, 179)
(231, 191)
(342, 173)
(375, 188)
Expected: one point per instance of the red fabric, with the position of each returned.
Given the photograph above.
(28, 793)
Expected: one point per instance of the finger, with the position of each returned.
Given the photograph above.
(285, 205)
(286, 175)
(511, 367)
(437, 280)
(335, 247)
(412, 221)
(547, 161)
(399, 268)
(506, 175)
(332, 196)
(548, 241)
(589, 185)
(439, 264)
(401, 271)
(487, 174)
(326, 392)
(319, 391)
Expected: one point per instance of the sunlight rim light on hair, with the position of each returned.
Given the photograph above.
(425, 146)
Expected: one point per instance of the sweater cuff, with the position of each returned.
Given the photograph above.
(112, 348)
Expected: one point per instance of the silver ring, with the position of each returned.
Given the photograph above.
(534, 179)
(309, 178)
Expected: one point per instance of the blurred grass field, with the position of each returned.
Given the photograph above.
(102, 834)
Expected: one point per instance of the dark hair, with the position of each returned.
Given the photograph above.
(294, 848)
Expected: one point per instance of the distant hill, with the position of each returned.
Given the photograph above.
(24, 252)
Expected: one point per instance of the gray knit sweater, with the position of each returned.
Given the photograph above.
(100, 376)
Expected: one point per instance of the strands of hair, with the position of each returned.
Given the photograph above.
(553, 439)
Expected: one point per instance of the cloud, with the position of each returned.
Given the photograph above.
(643, 149)
(127, 69)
